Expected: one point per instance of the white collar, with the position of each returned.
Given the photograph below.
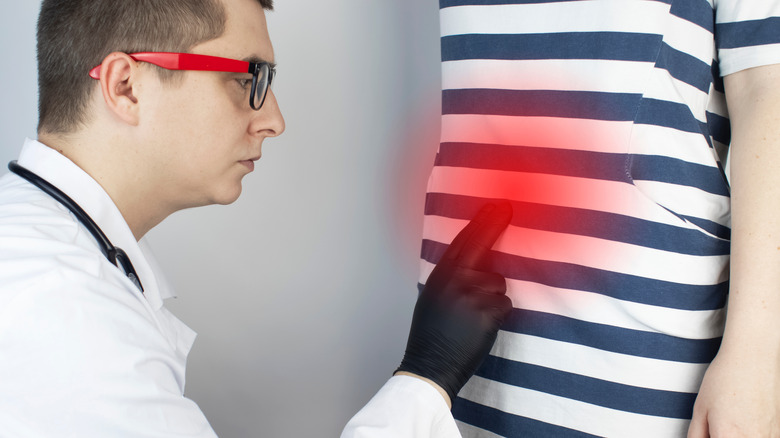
(86, 192)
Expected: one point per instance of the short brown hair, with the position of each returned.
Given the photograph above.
(75, 35)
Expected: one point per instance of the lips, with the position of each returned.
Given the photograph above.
(250, 163)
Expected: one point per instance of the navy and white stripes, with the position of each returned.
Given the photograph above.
(604, 123)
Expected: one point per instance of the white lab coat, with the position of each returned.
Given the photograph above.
(84, 354)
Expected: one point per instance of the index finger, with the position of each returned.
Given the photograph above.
(472, 245)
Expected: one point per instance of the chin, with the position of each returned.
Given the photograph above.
(225, 194)
(228, 198)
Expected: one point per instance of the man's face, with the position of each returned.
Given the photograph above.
(206, 136)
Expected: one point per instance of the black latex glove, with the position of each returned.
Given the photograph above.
(458, 313)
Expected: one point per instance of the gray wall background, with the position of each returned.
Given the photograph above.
(302, 291)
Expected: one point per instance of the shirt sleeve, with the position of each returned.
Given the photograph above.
(747, 33)
(404, 407)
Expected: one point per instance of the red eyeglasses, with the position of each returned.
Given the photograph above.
(262, 72)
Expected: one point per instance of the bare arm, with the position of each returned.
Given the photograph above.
(753, 98)
(740, 395)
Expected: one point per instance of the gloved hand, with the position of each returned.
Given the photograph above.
(458, 313)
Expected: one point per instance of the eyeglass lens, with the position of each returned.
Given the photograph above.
(261, 80)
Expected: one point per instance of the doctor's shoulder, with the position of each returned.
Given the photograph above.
(70, 334)
(45, 250)
(37, 235)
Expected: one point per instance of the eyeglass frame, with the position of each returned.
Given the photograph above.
(196, 62)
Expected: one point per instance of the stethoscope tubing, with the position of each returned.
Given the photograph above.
(115, 255)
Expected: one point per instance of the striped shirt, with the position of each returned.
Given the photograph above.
(604, 122)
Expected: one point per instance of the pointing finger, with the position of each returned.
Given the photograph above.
(481, 281)
(472, 245)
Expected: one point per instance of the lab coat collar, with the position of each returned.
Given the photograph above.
(82, 188)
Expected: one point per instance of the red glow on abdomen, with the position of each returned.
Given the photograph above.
(562, 176)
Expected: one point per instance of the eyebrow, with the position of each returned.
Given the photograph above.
(257, 59)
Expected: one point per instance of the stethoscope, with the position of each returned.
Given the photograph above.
(114, 254)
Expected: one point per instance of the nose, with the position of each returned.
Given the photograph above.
(268, 121)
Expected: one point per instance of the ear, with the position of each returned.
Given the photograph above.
(118, 83)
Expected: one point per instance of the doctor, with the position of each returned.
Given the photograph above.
(147, 108)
